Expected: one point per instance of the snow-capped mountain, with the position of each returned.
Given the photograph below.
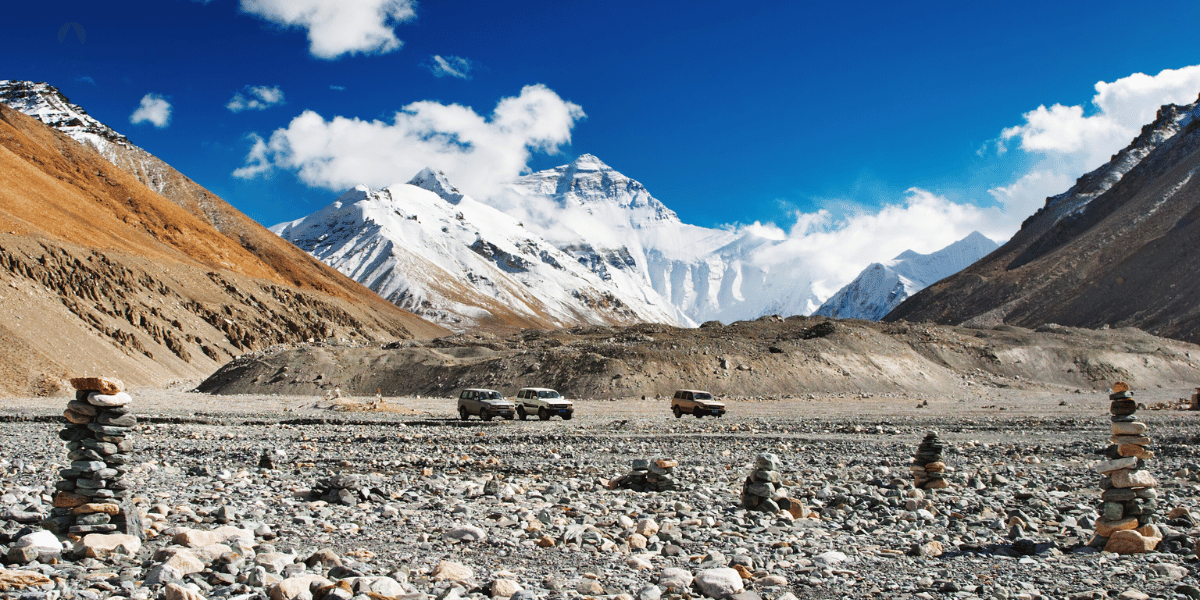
(437, 252)
(612, 224)
(883, 286)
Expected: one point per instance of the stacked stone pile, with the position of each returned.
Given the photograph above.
(93, 495)
(1130, 505)
(647, 476)
(762, 490)
(928, 469)
(349, 489)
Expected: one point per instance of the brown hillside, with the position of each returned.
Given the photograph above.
(84, 247)
(1123, 256)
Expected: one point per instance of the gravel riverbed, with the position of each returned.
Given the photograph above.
(407, 501)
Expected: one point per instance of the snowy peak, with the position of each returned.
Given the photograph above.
(883, 286)
(436, 182)
(588, 181)
(427, 248)
(44, 102)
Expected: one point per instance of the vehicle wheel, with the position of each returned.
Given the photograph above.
(485, 415)
(462, 414)
(543, 414)
(697, 414)
(678, 411)
(567, 417)
(521, 413)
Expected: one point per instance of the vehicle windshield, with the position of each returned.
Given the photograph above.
(549, 394)
(495, 396)
(703, 396)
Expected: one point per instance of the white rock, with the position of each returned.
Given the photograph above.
(675, 579)
(42, 541)
(719, 583)
(118, 399)
(830, 558)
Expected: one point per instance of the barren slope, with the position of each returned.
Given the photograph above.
(101, 274)
(1123, 255)
(769, 356)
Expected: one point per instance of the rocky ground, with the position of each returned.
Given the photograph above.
(408, 501)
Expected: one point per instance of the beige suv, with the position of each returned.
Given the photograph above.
(697, 403)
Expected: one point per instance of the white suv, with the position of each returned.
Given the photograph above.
(697, 403)
(543, 402)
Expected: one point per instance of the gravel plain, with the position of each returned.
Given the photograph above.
(392, 502)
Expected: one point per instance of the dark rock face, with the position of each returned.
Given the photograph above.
(1117, 249)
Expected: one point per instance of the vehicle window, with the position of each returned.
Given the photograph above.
(494, 395)
(703, 396)
(465, 395)
(687, 396)
(549, 394)
(679, 395)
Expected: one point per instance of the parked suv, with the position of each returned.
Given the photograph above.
(543, 402)
(485, 403)
(697, 403)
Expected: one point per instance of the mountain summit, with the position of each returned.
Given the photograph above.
(588, 181)
(883, 286)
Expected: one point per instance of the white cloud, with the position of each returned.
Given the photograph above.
(1121, 109)
(256, 97)
(337, 27)
(479, 154)
(155, 109)
(829, 250)
(449, 66)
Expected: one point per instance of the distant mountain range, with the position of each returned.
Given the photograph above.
(1118, 249)
(580, 243)
(881, 287)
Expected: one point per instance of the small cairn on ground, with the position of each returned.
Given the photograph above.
(763, 490)
(928, 469)
(1127, 515)
(93, 495)
(647, 476)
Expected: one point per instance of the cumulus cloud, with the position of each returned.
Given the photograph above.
(337, 27)
(449, 66)
(154, 109)
(255, 97)
(479, 154)
(1121, 108)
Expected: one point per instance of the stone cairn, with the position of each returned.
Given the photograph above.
(93, 495)
(647, 476)
(928, 469)
(762, 490)
(1127, 514)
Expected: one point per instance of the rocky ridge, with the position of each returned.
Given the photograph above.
(767, 357)
(1115, 250)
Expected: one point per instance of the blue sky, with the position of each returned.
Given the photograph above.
(739, 113)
